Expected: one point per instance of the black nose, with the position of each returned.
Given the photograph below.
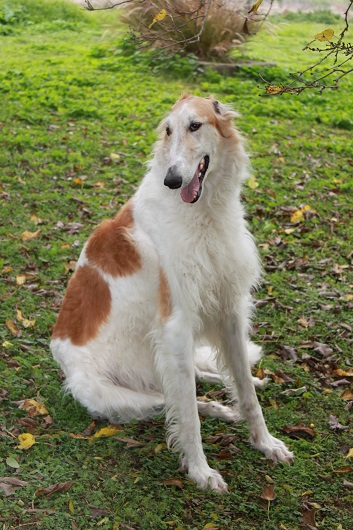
(173, 179)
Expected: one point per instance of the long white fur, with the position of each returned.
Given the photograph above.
(139, 363)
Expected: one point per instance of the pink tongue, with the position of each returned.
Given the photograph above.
(189, 193)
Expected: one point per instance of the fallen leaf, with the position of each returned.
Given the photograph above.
(36, 220)
(160, 16)
(114, 157)
(12, 462)
(309, 517)
(347, 484)
(9, 485)
(130, 442)
(297, 216)
(56, 488)
(335, 425)
(71, 506)
(350, 453)
(33, 407)
(327, 34)
(344, 469)
(252, 183)
(347, 395)
(77, 181)
(21, 279)
(26, 440)
(268, 493)
(210, 526)
(343, 373)
(298, 428)
(28, 236)
(173, 482)
(12, 326)
(111, 430)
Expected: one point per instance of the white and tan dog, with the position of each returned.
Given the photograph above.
(165, 286)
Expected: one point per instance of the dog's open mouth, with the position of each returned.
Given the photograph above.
(192, 192)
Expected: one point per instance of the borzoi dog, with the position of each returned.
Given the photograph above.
(161, 294)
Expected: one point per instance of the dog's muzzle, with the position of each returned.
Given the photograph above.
(173, 179)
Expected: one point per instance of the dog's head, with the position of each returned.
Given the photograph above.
(190, 140)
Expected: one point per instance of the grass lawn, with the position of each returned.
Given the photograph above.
(78, 111)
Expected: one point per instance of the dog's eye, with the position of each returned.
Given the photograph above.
(194, 126)
(168, 131)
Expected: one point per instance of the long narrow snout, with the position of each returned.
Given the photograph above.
(173, 179)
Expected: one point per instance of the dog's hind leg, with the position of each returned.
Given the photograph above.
(234, 337)
(175, 365)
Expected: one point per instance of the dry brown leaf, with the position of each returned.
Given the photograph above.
(173, 482)
(344, 469)
(309, 517)
(33, 407)
(268, 493)
(299, 428)
(56, 488)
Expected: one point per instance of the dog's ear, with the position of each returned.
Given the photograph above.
(224, 112)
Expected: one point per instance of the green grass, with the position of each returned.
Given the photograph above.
(73, 94)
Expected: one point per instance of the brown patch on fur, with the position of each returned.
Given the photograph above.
(206, 107)
(164, 298)
(111, 248)
(85, 308)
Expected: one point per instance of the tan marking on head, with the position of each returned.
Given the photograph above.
(205, 107)
(86, 307)
(164, 298)
(111, 247)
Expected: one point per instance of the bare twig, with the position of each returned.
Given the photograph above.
(332, 50)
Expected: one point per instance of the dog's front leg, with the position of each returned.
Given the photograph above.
(234, 338)
(174, 362)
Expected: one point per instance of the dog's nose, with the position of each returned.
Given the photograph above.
(173, 179)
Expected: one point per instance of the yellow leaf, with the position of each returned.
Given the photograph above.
(28, 236)
(114, 157)
(325, 35)
(71, 506)
(297, 216)
(20, 280)
(33, 407)
(99, 185)
(160, 447)
(272, 89)
(252, 183)
(28, 323)
(7, 344)
(160, 16)
(36, 220)
(10, 324)
(65, 245)
(26, 440)
(210, 526)
(77, 181)
(348, 297)
(255, 7)
(350, 453)
(106, 431)
(347, 395)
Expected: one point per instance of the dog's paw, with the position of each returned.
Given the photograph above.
(208, 478)
(274, 449)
